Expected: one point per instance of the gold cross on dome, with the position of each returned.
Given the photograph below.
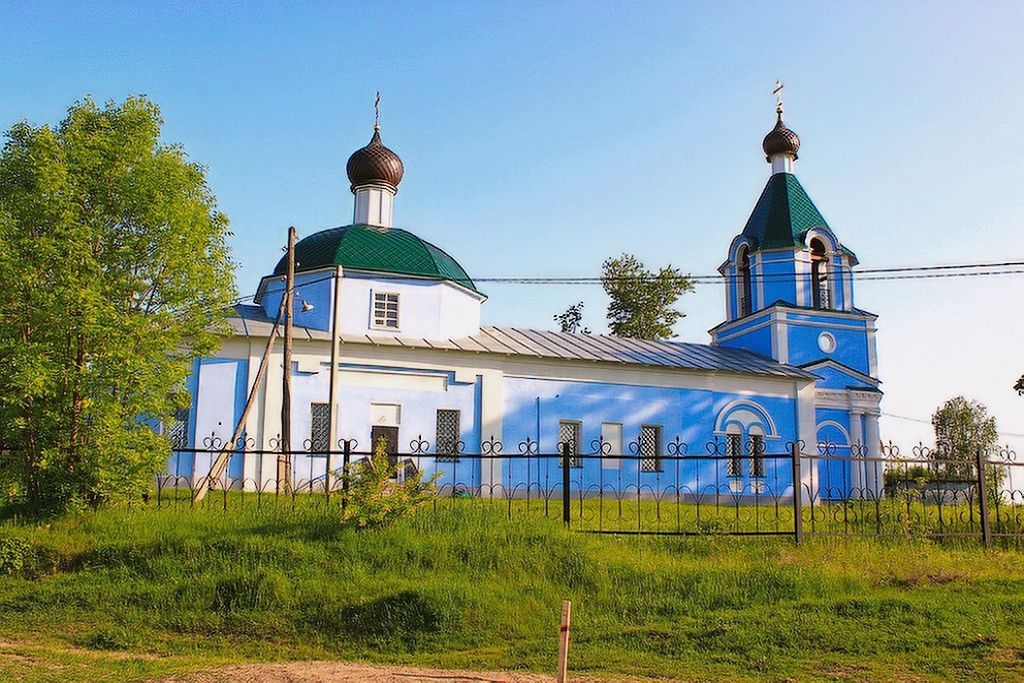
(376, 113)
(778, 94)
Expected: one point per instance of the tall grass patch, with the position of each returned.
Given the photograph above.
(459, 584)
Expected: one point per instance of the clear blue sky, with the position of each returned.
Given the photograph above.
(541, 138)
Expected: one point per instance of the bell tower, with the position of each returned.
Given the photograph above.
(789, 295)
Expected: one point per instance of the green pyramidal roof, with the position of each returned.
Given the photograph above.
(376, 249)
(783, 214)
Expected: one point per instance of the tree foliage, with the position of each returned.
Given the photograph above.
(963, 428)
(572, 320)
(642, 302)
(1019, 386)
(115, 270)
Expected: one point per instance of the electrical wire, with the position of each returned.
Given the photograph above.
(871, 274)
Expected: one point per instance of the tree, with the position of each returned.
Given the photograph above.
(572, 319)
(114, 275)
(1019, 386)
(642, 301)
(962, 429)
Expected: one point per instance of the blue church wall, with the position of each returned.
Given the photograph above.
(218, 387)
(833, 439)
(417, 394)
(315, 287)
(776, 277)
(534, 408)
(851, 347)
(757, 339)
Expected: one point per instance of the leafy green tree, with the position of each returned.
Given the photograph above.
(572, 320)
(114, 275)
(642, 301)
(962, 429)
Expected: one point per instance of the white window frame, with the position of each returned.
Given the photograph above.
(385, 308)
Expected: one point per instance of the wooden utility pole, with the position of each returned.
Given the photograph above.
(284, 461)
(332, 392)
(222, 459)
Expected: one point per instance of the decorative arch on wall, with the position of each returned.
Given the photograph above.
(743, 416)
(832, 438)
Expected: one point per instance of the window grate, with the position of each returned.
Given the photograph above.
(177, 431)
(757, 448)
(734, 452)
(650, 448)
(319, 428)
(447, 443)
(570, 433)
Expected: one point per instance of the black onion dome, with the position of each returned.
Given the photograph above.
(781, 140)
(375, 163)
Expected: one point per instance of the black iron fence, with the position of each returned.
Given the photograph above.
(730, 487)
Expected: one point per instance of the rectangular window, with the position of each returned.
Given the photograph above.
(447, 445)
(611, 445)
(734, 453)
(319, 428)
(177, 430)
(570, 433)
(757, 455)
(385, 310)
(650, 448)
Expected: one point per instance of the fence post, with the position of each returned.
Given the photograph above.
(346, 456)
(798, 513)
(566, 449)
(986, 530)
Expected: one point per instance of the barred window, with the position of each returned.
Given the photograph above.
(177, 430)
(570, 433)
(385, 310)
(734, 452)
(447, 441)
(757, 455)
(650, 448)
(319, 428)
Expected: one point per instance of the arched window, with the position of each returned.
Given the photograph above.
(819, 275)
(745, 426)
(743, 264)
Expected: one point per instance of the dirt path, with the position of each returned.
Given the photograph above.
(340, 672)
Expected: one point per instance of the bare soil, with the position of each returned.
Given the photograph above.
(341, 672)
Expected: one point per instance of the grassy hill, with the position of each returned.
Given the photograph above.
(126, 594)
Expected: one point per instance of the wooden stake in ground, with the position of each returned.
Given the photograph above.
(563, 642)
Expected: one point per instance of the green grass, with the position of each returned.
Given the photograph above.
(129, 594)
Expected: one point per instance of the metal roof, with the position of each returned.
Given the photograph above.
(783, 214)
(376, 249)
(542, 344)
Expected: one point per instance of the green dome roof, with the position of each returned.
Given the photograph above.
(375, 249)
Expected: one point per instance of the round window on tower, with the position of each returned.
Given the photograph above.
(826, 342)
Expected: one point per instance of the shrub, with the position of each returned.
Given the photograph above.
(378, 495)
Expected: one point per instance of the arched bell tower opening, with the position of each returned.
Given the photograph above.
(746, 291)
(820, 293)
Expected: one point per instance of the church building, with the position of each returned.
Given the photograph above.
(388, 344)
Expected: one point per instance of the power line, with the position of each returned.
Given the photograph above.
(872, 274)
(929, 422)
